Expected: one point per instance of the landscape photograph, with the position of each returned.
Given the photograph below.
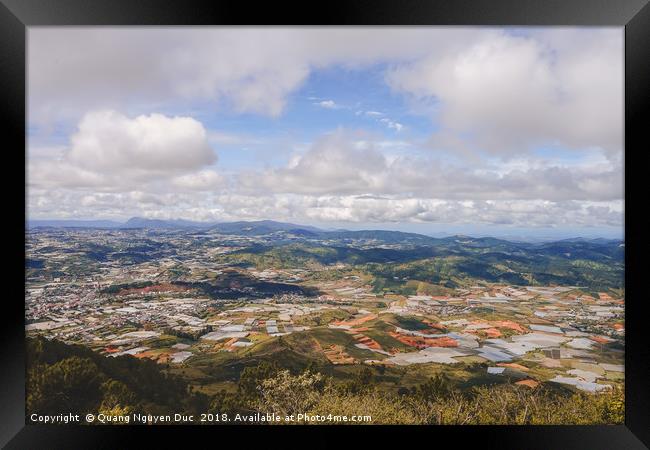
(325, 226)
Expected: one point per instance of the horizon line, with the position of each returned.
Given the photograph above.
(515, 233)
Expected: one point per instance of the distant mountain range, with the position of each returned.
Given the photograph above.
(264, 227)
(390, 256)
(74, 224)
(141, 222)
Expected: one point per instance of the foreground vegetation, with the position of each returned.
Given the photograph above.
(65, 378)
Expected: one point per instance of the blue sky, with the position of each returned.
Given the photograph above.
(505, 132)
(360, 99)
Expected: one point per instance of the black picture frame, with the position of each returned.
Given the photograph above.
(633, 15)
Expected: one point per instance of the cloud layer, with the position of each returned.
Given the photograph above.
(507, 91)
(340, 178)
(340, 164)
(495, 103)
(510, 93)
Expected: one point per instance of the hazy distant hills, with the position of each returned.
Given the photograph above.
(262, 227)
(134, 222)
(242, 227)
(139, 222)
(265, 227)
(74, 224)
(389, 256)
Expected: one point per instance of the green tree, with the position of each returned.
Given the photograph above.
(438, 386)
(70, 385)
(361, 382)
(117, 396)
(251, 377)
(285, 394)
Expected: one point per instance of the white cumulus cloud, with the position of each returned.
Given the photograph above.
(108, 140)
(328, 104)
(507, 93)
(112, 151)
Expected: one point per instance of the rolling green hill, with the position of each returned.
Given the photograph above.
(453, 262)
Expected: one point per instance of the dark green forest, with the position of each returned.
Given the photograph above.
(65, 378)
